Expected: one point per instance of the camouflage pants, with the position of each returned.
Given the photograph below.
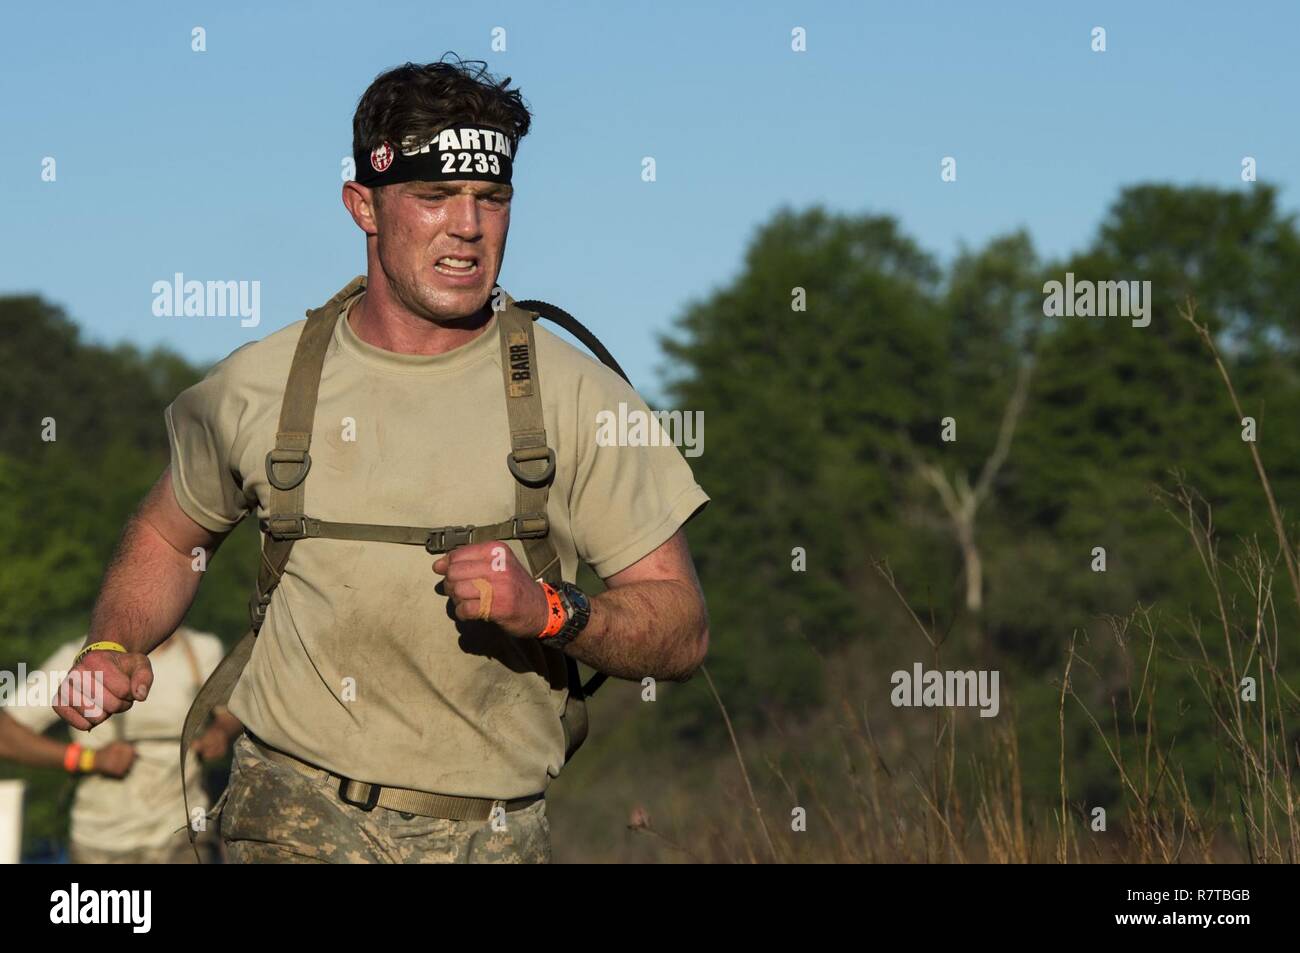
(291, 813)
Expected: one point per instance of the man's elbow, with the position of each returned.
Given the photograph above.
(699, 650)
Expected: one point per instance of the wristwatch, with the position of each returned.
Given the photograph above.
(577, 610)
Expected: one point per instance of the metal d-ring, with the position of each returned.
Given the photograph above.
(304, 463)
(545, 478)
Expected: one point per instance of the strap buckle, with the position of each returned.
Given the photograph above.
(446, 538)
(541, 526)
(369, 804)
(257, 606)
(287, 455)
(286, 527)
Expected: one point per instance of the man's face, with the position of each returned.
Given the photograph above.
(428, 232)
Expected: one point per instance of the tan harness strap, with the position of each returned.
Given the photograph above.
(532, 462)
(438, 539)
(298, 408)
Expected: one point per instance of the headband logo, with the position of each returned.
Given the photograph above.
(381, 157)
(462, 151)
(460, 139)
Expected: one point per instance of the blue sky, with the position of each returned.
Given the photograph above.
(225, 164)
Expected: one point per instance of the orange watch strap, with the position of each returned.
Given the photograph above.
(555, 614)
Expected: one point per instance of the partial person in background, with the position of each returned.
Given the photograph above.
(128, 807)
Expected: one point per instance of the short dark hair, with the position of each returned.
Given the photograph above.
(418, 101)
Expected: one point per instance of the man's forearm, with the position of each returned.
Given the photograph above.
(147, 589)
(20, 744)
(658, 628)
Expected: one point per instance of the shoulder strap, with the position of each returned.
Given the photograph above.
(532, 463)
(292, 447)
(530, 460)
(579, 331)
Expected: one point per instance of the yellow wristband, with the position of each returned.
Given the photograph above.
(98, 647)
(87, 761)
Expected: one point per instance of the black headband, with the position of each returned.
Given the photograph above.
(466, 150)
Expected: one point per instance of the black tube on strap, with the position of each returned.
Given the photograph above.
(576, 328)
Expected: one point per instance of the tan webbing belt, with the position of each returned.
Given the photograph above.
(425, 804)
(530, 460)
(450, 807)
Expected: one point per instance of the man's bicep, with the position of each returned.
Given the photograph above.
(162, 511)
(629, 496)
(203, 423)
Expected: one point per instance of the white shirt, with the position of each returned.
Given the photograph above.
(145, 808)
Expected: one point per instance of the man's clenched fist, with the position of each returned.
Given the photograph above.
(485, 581)
(102, 684)
(114, 760)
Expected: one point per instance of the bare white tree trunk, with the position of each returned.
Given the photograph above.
(961, 501)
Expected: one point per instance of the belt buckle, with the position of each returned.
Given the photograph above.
(368, 804)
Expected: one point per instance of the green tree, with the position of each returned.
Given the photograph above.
(63, 502)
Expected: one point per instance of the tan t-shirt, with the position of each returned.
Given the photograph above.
(359, 667)
(146, 807)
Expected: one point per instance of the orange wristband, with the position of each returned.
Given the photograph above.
(555, 614)
(71, 757)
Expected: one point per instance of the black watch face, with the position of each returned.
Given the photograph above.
(579, 599)
(580, 611)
